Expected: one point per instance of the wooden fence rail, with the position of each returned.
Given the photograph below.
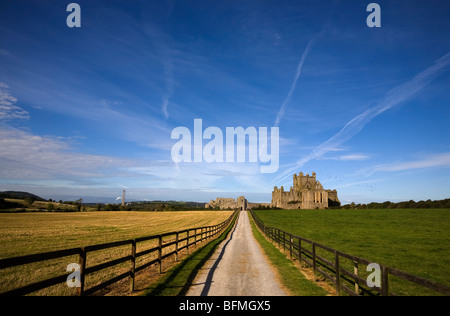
(191, 236)
(332, 269)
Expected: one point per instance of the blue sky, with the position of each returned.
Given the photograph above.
(87, 112)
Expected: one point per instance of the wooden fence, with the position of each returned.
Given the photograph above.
(175, 241)
(331, 268)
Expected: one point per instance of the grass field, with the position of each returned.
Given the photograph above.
(412, 240)
(28, 233)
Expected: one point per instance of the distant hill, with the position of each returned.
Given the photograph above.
(20, 195)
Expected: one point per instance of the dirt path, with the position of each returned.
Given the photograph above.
(237, 268)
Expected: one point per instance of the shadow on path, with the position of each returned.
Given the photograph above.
(193, 263)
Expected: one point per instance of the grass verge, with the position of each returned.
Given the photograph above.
(177, 280)
(291, 276)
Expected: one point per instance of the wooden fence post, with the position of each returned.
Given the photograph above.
(160, 253)
(299, 250)
(355, 271)
(338, 273)
(82, 263)
(176, 246)
(187, 242)
(314, 259)
(133, 264)
(195, 237)
(384, 281)
(290, 246)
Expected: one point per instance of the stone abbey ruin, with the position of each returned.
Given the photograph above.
(306, 193)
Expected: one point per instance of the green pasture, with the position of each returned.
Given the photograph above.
(416, 241)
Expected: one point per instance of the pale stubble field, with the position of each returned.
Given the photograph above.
(30, 233)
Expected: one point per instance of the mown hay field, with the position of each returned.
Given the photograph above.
(30, 233)
(416, 241)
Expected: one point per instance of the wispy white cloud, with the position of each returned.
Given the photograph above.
(45, 160)
(282, 109)
(28, 156)
(165, 105)
(202, 176)
(170, 85)
(69, 90)
(349, 157)
(430, 161)
(370, 182)
(162, 43)
(8, 109)
(391, 99)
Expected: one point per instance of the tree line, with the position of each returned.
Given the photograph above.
(445, 203)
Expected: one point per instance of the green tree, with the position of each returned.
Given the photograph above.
(111, 207)
(79, 204)
(29, 201)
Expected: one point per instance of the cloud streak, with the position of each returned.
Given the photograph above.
(391, 99)
(282, 110)
(432, 161)
(349, 157)
(168, 72)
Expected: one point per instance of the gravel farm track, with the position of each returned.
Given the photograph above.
(238, 267)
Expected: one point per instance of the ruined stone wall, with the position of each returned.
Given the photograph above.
(222, 203)
(257, 205)
(228, 203)
(333, 198)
